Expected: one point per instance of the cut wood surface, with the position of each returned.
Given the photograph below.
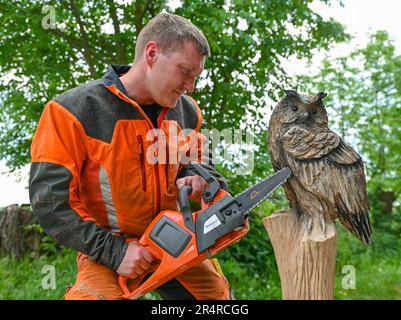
(306, 261)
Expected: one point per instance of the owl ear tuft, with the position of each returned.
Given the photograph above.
(321, 95)
(291, 93)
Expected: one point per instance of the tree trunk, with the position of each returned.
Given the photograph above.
(386, 199)
(85, 38)
(18, 232)
(120, 47)
(306, 262)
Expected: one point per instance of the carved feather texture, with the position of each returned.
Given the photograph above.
(305, 144)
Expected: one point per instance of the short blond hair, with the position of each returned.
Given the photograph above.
(170, 32)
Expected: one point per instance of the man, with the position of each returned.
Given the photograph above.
(92, 185)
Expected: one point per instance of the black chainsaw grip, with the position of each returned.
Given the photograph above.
(185, 207)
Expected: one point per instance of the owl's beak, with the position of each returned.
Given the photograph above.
(304, 115)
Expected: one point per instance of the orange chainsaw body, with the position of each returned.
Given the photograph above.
(168, 266)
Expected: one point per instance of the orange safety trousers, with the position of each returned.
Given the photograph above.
(204, 281)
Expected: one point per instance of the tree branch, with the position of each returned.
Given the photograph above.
(75, 43)
(121, 52)
(140, 13)
(85, 38)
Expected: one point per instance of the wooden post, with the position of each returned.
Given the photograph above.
(306, 262)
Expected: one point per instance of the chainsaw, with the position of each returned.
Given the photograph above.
(180, 240)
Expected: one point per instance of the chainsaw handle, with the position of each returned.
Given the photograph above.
(185, 206)
(123, 282)
(126, 283)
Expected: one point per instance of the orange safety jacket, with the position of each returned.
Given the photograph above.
(98, 174)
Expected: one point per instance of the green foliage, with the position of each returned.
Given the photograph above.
(38, 63)
(246, 284)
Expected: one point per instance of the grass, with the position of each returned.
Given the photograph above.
(22, 280)
(377, 271)
(377, 268)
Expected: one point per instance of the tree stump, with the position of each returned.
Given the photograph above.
(18, 232)
(306, 262)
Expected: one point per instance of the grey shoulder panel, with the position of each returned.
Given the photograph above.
(49, 195)
(97, 108)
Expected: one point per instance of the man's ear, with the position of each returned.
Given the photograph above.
(151, 51)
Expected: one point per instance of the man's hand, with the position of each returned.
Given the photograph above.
(136, 261)
(197, 183)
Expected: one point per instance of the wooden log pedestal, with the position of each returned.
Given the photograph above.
(306, 262)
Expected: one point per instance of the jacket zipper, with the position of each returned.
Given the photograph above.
(142, 158)
(157, 176)
(167, 165)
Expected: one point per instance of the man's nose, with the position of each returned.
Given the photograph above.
(189, 85)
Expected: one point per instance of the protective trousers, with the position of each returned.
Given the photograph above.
(204, 281)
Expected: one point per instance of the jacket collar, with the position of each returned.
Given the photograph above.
(112, 76)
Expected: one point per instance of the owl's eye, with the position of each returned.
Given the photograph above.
(314, 111)
(294, 108)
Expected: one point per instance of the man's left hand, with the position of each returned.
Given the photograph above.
(197, 183)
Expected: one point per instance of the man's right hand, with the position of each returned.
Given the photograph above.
(136, 261)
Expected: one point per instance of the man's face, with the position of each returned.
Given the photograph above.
(173, 73)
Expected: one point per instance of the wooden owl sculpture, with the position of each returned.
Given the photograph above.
(328, 175)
